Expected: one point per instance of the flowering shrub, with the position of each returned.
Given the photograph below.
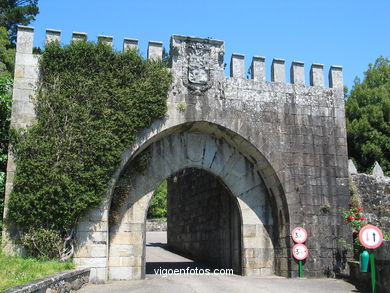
(355, 218)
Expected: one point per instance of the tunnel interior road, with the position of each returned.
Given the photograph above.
(159, 258)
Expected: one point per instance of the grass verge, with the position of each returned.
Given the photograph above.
(15, 270)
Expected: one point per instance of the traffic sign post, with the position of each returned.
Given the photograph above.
(299, 251)
(371, 237)
(299, 235)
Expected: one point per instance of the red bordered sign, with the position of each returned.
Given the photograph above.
(300, 251)
(370, 237)
(299, 235)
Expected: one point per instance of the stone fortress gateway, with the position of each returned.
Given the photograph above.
(273, 154)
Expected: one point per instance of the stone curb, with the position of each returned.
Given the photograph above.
(64, 282)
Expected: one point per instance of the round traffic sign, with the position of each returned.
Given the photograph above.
(299, 235)
(300, 251)
(370, 237)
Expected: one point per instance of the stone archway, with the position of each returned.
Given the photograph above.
(203, 221)
(164, 157)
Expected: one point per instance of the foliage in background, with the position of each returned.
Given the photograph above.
(5, 116)
(16, 12)
(368, 118)
(7, 54)
(17, 270)
(158, 203)
(91, 101)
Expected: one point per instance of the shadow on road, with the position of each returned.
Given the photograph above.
(157, 244)
(154, 267)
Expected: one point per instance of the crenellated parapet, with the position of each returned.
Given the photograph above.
(278, 71)
(237, 61)
(26, 40)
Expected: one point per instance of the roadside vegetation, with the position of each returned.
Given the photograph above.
(17, 270)
(158, 203)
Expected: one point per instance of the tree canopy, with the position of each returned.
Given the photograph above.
(15, 12)
(368, 116)
(7, 54)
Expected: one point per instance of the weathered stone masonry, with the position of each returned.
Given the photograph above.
(276, 146)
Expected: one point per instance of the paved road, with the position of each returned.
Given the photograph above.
(157, 256)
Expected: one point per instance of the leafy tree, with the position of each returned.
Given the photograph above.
(158, 203)
(5, 114)
(7, 54)
(368, 116)
(15, 12)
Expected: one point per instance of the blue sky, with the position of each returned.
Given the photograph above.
(332, 32)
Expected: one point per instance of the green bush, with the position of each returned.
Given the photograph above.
(90, 103)
(42, 242)
(5, 117)
(158, 203)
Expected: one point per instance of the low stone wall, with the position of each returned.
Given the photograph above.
(382, 260)
(374, 192)
(64, 282)
(382, 267)
(156, 225)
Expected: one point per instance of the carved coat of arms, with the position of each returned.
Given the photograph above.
(198, 57)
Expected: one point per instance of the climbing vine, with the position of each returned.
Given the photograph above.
(90, 103)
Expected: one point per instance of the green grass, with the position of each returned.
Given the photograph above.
(16, 270)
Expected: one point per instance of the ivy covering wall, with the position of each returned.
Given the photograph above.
(91, 102)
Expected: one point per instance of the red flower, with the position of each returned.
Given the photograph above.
(346, 222)
(356, 214)
(351, 218)
(360, 209)
(362, 218)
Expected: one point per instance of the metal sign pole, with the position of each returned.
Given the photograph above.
(300, 269)
(373, 276)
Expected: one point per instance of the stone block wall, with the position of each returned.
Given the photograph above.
(153, 225)
(374, 193)
(203, 219)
